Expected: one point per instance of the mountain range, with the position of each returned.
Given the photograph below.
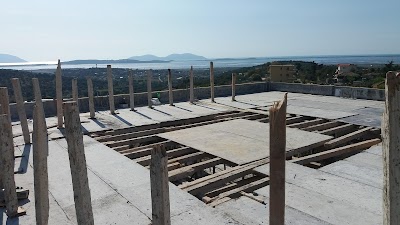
(6, 58)
(172, 57)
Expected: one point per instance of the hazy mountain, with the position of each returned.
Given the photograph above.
(5, 58)
(109, 61)
(172, 57)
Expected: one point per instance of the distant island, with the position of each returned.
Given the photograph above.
(172, 57)
(6, 58)
(110, 61)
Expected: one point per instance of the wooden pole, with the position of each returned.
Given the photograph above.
(21, 109)
(5, 102)
(233, 86)
(191, 85)
(149, 94)
(159, 186)
(212, 81)
(110, 89)
(277, 140)
(59, 95)
(77, 160)
(75, 92)
(391, 153)
(7, 165)
(40, 153)
(91, 97)
(170, 93)
(131, 91)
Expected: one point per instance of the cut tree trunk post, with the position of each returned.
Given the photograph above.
(131, 91)
(149, 94)
(170, 93)
(233, 86)
(77, 160)
(277, 140)
(7, 165)
(191, 85)
(91, 97)
(159, 186)
(212, 81)
(21, 109)
(40, 153)
(5, 102)
(59, 95)
(75, 92)
(110, 89)
(391, 153)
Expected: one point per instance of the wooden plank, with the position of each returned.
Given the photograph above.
(132, 135)
(77, 159)
(159, 187)
(145, 160)
(59, 96)
(188, 158)
(228, 187)
(40, 153)
(146, 147)
(110, 89)
(307, 123)
(135, 140)
(339, 129)
(5, 103)
(336, 152)
(346, 138)
(191, 169)
(21, 109)
(277, 155)
(390, 147)
(323, 126)
(295, 119)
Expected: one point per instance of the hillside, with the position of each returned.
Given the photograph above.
(172, 57)
(6, 58)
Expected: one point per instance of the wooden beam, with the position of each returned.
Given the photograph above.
(191, 169)
(75, 92)
(149, 92)
(21, 109)
(159, 187)
(233, 86)
(346, 138)
(59, 96)
(5, 103)
(277, 155)
(170, 92)
(131, 90)
(188, 158)
(390, 147)
(110, 89)
(128, 142)
(91, 97)
(322, 126)
(191, 96)
(145, 160)
(336, 152)
(307, 123)
(212, 91)
(143, 148)
(295, 119)
(77, 159)
(340, 129)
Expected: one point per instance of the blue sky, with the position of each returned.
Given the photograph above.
(47, 30)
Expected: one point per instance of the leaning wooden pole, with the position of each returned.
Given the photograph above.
(59, 95)
(212, 81)
(5, 102)
(40, 153)
(149, 93)
(159, 186)
(110, 89)
(191, 98)
(75, 92)
(391, 150)
(277, 155)
(170, 92)
(131, 91)
(77, 160)
(91, 97)
(233, 86)
(21, 109)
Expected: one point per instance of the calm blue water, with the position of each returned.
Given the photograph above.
(355, 59)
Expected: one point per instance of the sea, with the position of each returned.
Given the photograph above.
(365, 60)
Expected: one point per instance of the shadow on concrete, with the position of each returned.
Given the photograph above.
(123, 120)
(246, 103)
(142, 114)
(178, 107)
(9, 221)
(203, 106)
(162, 112)
(23, 166)
(99, 123)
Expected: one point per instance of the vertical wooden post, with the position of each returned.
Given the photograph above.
(159, 186)
(170, 93)
(40, 153)
(212, 81)
(7, 165)
(233, 86)
(131, 91)
(59, 95)
(21, 109)
(91, 97)
(149, 94)
(110, 89)
(391, 153)
(77, 160)
(5, 102)
(75, 92)
(277, 148)
(191, 85)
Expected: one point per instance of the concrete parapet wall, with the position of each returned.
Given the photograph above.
(360, 93)
(302, 88)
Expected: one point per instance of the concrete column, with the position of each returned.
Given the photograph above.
(159, 186)
(212, 81)
(149, 93)
(277, 140)
(7, 165)
(5, 102)
(91, 97)
(59, 95)
(131, 91)
(77, 160)
(75, 92)
(110, 89)
(21, 109)
(233, 86)
(40, 153)
(391, 153)
(170, 93)
(191, 85)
